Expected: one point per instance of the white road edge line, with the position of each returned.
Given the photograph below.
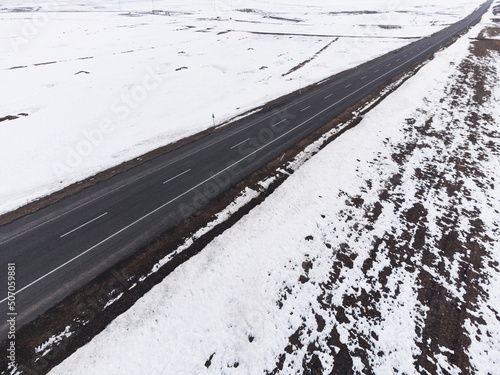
(179, 175)
(279, 122)
(81, 226)
(208, 179)
(240, 143)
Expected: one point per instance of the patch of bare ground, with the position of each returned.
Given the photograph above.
(12, 117)
(329, 35)
(448, 313)
(488, 33)
(441, 241)
(247, 10)
(354, 12)
(303, 63)
(390, 27)
(286, 19)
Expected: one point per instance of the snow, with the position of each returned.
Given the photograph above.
(238, 302)
(46, 346)
(113, 300)
(96, 85)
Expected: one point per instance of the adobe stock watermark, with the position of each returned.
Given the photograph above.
(121, 109)
(86, 312)
(11, 316)
(246, 153)
(33, 26)
(386, 18)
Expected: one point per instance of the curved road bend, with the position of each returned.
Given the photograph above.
(62, 247)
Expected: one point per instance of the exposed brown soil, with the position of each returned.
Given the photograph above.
(286, 19)
(461, 147)
(302, 64)
(45, 63)
(353, 13)
(247, 10)
(331, 36)
(12, 117)
(490, 32)
(448, 314)
(390, 27)
(7, 118)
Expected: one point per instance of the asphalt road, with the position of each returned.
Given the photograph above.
(62, 247)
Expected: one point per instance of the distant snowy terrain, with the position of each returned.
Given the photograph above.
(90, 85)
(381, 254)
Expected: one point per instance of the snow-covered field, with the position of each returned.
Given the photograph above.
(88, 86)
(379, 255)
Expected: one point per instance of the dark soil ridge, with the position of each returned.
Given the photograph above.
(305, 62)
(332, 35)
